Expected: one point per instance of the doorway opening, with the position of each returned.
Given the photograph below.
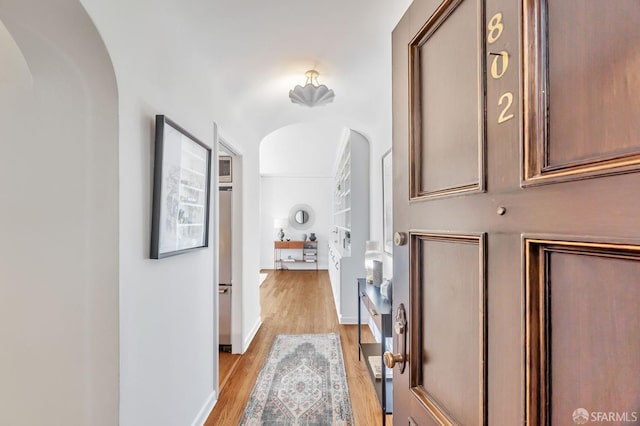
(229, 285)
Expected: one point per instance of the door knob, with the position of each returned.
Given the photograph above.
(390, 359)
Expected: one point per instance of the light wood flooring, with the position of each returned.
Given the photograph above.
(296, 302)
(227, 365)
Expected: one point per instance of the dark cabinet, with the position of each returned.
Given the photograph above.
(379, 309)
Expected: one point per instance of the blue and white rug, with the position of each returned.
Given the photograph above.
(302, 382)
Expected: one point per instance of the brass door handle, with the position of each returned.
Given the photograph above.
(390, 359)
(400, 342)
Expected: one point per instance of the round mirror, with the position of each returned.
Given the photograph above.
(302, 216)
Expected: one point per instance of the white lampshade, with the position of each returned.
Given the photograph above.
(312, 93)
(372, 256)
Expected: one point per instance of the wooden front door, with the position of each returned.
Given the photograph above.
(516, 140)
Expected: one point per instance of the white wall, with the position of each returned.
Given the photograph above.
(58, 218)
(167, 307)
(279, 195)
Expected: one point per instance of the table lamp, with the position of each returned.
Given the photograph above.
(280, 223)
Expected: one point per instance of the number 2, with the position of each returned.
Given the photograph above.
(502, 117)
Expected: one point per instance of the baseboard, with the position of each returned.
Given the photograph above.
(251, 335)
(343, 319)
(206, 409)
(263, 277)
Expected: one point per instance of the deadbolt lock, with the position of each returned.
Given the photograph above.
(400, 238)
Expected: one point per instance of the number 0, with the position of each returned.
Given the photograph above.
(495, 73)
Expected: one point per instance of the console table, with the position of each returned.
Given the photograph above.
(380, 310)
(301, 252)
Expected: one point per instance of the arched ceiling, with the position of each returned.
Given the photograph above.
(263, 49)
(254, 51)
(302, 149)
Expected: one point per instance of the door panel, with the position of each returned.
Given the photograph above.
(587, 75)
(504, 329)
(587, 126)
(447, 87)
(555, 200)
(583, 346)
(450, 381)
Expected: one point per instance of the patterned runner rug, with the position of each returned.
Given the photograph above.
(302, 382)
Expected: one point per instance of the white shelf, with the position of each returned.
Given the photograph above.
(348, 209)
(193, 154)
(195, 172)
(191, 187)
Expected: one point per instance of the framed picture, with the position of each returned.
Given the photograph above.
(387, 203)
(181, 181)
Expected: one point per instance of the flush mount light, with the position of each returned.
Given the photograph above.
(312, 94)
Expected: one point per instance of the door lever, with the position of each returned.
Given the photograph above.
(400, 327)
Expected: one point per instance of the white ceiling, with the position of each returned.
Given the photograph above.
(263, 49)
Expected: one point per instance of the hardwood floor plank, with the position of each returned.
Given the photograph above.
(298, 302)
(227, 364)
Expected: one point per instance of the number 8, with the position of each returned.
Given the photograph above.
(495, 28)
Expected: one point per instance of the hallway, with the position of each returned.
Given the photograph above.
(295, 302)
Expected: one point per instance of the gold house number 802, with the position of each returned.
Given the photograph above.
(500, 64)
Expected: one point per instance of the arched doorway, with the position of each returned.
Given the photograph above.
(59, 222)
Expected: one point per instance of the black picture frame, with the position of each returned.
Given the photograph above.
(181, 191)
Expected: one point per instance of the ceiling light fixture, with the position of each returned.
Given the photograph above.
(312, 94)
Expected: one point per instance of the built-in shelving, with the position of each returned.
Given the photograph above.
(350, 222)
